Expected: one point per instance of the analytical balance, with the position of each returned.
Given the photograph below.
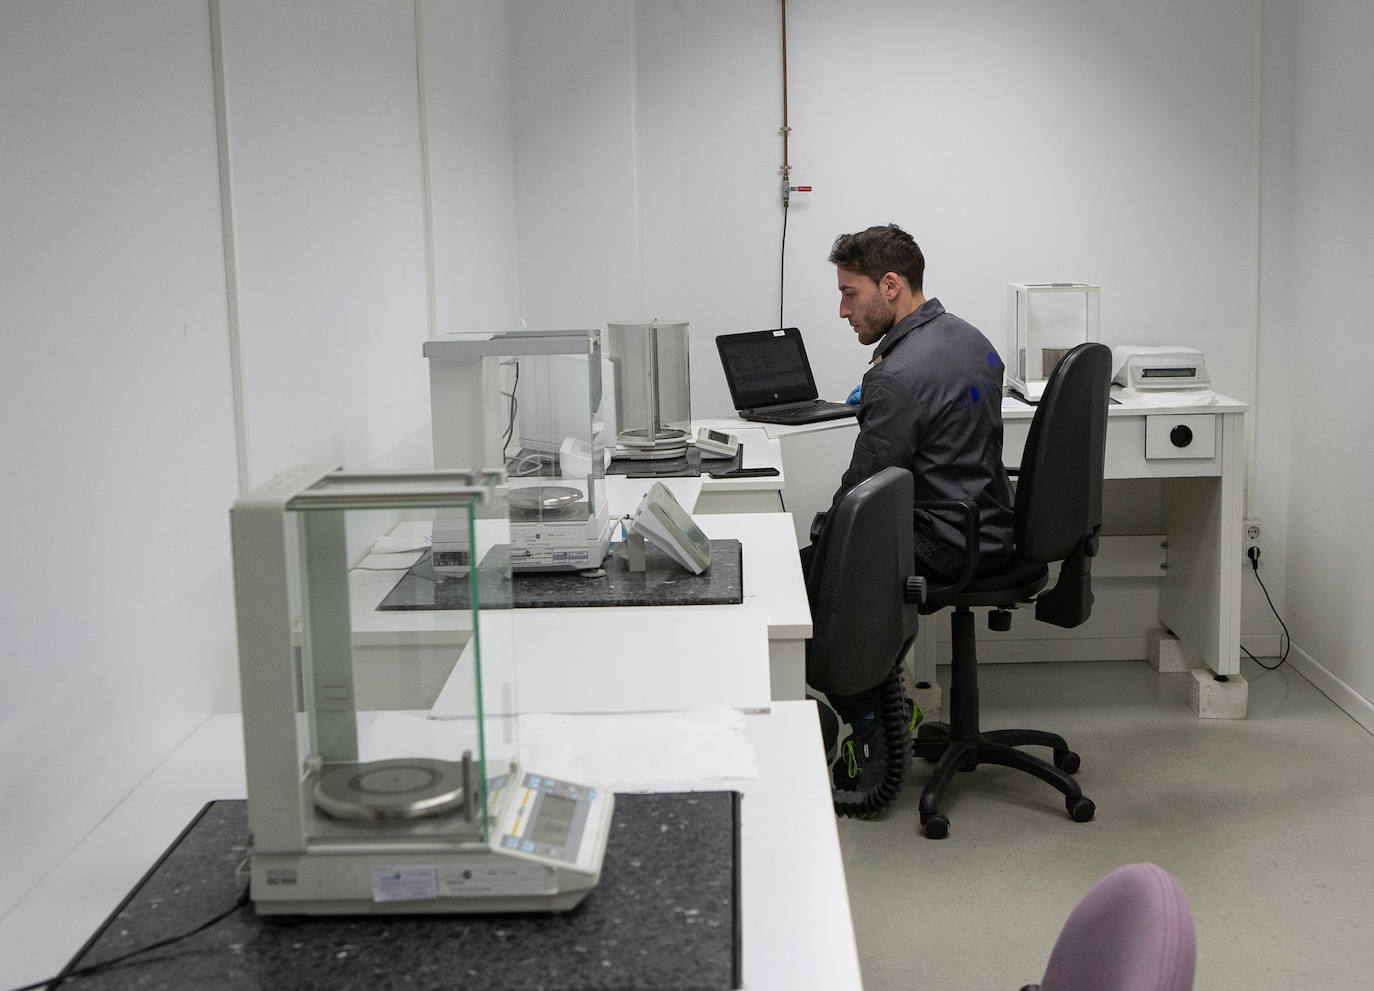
(652, 387)
(532, 401)
(1046, 320)
(357, 810)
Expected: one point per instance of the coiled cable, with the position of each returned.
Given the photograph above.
(894, 719)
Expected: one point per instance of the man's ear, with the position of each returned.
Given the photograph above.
(891, 285)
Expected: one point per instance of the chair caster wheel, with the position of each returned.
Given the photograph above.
(935, 826)
(1067, 761)
(1080, 809)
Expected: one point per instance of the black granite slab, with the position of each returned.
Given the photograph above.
(663, 582)
(690, 465)
(665, 916)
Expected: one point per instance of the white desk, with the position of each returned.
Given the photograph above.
(1201, 495)
(1172, 521)
(609, 659)
(743, 495)
(795, 908)
(774, 609)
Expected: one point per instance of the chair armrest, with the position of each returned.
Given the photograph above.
(817, 525)
(969, 512)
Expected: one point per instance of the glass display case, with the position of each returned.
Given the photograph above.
(532, 402)
(1045, 321)
(357, 809)
(653, 406)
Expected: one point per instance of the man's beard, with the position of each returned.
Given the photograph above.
(876, 321)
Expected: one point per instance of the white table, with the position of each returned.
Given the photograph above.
(1172, 521)
(402, 659)
(632, 659)
(795, 920)
(761, 494)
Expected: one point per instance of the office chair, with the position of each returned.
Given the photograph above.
(1132, 931)
(1058, 514)
(863, 596)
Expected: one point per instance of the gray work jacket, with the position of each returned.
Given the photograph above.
(932, 402)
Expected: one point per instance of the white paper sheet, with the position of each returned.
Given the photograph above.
(654, 751)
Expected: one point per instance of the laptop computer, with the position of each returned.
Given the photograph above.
(770, 379)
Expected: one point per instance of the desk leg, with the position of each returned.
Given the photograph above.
(787, 669)
(1199, 599)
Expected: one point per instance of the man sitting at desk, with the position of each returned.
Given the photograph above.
(931, 402)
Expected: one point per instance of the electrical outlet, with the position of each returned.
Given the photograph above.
(1252, 535)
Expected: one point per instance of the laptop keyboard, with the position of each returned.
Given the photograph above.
(800, 412)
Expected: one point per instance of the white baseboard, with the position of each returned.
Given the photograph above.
(1355, 705)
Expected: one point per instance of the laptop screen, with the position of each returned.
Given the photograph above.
(764, 367)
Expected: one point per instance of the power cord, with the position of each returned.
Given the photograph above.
(1254, 555)
(53, 982)
(782, 263)
(514, 406)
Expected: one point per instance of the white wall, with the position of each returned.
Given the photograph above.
(328, 229)
(118, 444)
(132, 390)
(1108, 143)
(465, 48)
(1269, 463)
(572, 86)
(1327, 349)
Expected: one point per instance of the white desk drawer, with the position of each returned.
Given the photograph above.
(1128, 453)
(1186, 435)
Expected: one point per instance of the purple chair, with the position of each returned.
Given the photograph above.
(1132, 932)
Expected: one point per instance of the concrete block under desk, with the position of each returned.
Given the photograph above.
(1212, 699)
(1165, 652)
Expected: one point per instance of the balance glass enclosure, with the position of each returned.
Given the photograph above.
(327, 770)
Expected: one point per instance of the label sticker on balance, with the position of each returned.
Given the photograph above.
(404, 884)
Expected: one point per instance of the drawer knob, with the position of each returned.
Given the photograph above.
(1181, 435)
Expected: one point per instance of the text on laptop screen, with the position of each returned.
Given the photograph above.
(769, 370)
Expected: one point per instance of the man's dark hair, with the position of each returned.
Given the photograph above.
(880, 250)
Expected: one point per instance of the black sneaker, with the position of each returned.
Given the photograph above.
(860, 764)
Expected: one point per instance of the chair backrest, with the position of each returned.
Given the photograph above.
(860, 619)
(1059, 488)
(1133, 931)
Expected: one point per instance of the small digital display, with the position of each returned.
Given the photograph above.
(1168, 373)
(718, 437)
(554, 820)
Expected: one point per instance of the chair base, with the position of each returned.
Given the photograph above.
(964, 753)
(959, 745)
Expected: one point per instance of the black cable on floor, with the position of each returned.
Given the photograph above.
(1288, 640)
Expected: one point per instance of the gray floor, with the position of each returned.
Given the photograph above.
(1268, 824)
